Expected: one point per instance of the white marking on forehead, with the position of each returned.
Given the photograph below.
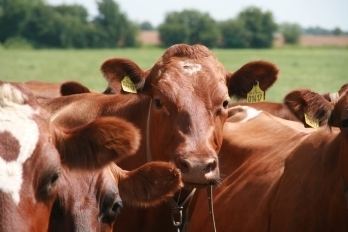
(16, 119)
(190, 68)
(250, 113)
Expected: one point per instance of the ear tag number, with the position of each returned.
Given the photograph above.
(256, 94)
(314, 123)
(128, 85)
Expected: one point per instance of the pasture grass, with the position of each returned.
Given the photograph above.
(320, 69)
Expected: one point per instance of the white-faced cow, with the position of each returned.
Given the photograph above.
(37, 161)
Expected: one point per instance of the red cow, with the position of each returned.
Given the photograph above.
(180, 108)
(279, 176)
(30, 164)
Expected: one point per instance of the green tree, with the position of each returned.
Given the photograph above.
(234, 34)
(14, 15)
(337, 31)
(291, 32)
(146, 26)
(259, 25)
(189, 26)
(114, 27)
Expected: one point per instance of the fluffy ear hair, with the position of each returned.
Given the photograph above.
(97, 143)
(339, 115)
(116, 69)
(149, 185)
(241, 81)
(72, 87)
(304, 101)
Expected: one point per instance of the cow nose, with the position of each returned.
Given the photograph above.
(185, 165)
(200, 171)
(111, 207)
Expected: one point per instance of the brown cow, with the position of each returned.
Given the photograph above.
(30, 165)
(180, 108)
(279, 176)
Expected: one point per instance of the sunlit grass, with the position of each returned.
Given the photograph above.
(321, 69)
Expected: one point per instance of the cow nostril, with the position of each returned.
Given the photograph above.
(211, 166)
(183, 165)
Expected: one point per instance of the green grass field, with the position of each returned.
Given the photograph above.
(320, 69)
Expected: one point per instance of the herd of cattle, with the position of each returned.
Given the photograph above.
(64, 151)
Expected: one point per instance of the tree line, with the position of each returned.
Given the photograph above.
(35, 23)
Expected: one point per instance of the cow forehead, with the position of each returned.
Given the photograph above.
(16, 123)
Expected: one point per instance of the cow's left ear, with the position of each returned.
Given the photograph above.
(339, 115)
(96, 144)
(242, 81)
(149, 185)
(308, 106)
(116, 69)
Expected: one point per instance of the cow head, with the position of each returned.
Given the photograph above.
(188, 90)
(91, 201)
(29, 162)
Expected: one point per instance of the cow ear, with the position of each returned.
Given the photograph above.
(115, 70)
(241, 81)
(149, 185)
(339, 115)
(96, 144)
(305, 102)
(72, 87)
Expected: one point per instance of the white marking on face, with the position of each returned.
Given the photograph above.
(250, 113)
(190, 68)
(16, 119)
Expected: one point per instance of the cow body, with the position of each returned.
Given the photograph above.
(279, 176)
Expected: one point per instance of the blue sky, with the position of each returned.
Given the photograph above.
(324, 13)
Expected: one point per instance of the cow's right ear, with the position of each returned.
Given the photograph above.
(116, 69)
(149, 185)
(339, 115)
(242, 81)
(96, 144)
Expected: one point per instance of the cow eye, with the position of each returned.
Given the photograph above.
(158, 103)
(225, 104)
(47, 185)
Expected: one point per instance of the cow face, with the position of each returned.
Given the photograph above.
(29, 163)
(189, 91)
(91, 201)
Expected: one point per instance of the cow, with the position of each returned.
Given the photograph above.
(36, 165)
(180, 108)
(280, 176)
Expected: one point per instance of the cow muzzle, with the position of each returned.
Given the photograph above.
(199, 171)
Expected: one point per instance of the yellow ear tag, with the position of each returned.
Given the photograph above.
(256, 94)
(128, 85)
(314, 123)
